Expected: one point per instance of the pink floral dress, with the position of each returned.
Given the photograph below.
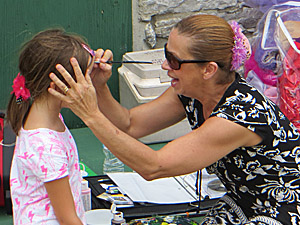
(40, 156)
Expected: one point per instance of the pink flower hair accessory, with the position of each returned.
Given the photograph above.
(19, 89)
(241, 50)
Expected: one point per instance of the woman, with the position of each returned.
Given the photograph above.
(237, 134)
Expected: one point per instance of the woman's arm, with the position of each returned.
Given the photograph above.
(61, 198)
(140, 121)
(161, 113)
(100, 74)
(196, 150)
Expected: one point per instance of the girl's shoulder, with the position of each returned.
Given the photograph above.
(42, 136)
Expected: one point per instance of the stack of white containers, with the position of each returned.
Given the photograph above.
(141, 83)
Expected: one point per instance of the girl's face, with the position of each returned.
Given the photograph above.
(188, 78)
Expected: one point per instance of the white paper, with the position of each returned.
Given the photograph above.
(160, 191)
(189, 181)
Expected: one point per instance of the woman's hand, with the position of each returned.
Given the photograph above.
(81, 96)
(101, 71)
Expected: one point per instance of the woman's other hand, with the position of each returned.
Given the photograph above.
(81, 96)
(101, 71)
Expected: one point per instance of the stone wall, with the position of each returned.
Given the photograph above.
(153, 19)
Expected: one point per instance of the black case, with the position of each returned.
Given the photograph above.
(140, 210)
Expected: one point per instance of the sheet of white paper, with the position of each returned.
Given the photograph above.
(189, 181)
(160, 191)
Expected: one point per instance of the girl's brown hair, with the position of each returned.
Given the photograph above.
(37, 60)
(212, 40)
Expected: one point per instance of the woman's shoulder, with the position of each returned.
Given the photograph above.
(244, 93)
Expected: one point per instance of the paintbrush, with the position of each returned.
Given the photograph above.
(139, 62)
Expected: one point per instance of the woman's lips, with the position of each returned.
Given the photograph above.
(174, 81)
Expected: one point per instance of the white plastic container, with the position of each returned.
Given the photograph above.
(141, 83)
(147, 71)
(99, 217)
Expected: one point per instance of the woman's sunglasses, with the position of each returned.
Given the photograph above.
(175, 63)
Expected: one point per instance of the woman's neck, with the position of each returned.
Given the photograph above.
(44, 113)
(213, 98)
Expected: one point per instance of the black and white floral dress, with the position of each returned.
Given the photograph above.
(262, 181)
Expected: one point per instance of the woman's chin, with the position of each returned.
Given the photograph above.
(177, 90)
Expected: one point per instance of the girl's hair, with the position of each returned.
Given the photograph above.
(37, 60)
(212, 39)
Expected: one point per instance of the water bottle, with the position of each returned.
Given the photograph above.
(111, 162)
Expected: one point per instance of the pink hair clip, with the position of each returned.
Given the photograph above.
(91, 51)
(19, 89)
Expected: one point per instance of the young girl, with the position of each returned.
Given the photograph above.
(45, 178)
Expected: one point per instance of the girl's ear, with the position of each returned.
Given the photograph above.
(210, 70)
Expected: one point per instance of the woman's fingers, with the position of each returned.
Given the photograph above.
(78, 73)
(68, 78)
(82, 81)
(98, 55)
(80, 97)
(58, 83)
(107, 55)
(88, 74)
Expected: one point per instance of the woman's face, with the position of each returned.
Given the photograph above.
(188, 78)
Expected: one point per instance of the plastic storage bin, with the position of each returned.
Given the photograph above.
(141, 83)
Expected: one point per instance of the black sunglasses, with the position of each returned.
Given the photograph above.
(175, 63)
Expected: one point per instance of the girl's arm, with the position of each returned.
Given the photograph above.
(61, 198)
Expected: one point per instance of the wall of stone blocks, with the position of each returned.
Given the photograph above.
(153, 19)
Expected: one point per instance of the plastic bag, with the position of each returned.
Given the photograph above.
(264, 5)
(276, 58)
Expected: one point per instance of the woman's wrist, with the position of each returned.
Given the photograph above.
(102, 88)
(92, 119)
